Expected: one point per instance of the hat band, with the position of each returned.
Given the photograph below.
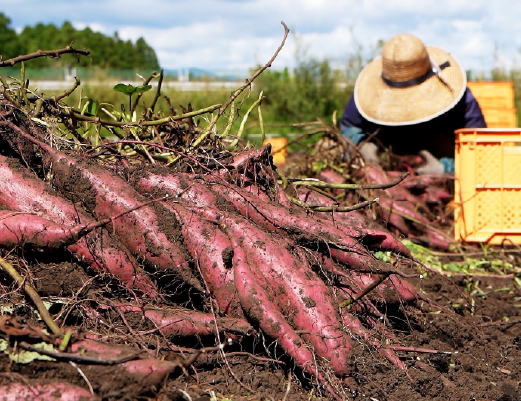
(417, 80)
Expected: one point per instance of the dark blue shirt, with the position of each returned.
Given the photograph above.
(436, 135)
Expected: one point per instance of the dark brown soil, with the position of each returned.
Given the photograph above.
(474, 319)
(483, 336)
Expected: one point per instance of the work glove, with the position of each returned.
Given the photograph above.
(369, 152)
(354, 134)
(432, 165)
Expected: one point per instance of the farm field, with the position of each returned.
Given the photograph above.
(149, 250)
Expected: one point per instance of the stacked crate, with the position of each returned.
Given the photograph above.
(488, 185)
(496, 100)
(488, 170)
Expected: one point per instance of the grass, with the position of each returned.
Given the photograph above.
(488, 261)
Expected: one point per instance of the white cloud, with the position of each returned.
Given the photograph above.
(467, 25)
(94, 26)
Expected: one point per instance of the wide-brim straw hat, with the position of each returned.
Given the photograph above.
(409, 83)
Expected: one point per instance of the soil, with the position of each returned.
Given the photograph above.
(474, 320)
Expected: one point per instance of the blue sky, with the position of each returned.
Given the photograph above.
(239, 34)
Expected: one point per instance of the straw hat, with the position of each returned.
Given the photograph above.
(409, 83)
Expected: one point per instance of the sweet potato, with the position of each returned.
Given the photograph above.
(44, 392)
(357, 281)
(107, 195)
(140, 230)
(189, 188)
(405, 209)
(147, 371)
(356, 327)
(270, 216)
(24, 192)
(295, 220)
(252, 289)
(408, 200)
(332, 177)
(300, 293)
(376, 175)
(435, 195)
(399, 211)
(212, 253)
(408, 206)
(28, 229)
(245, 160)
(353, 219)
(373, 238)
(25, 229)
(184, 322)
(271, 244)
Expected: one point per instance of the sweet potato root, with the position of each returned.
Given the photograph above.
(275, 219)
(185, 323)
(296, 221)
(272, 218)
(302, 295)
(375, 239)
(45, 392)
(212, 253)
(25, 193)
(108, 195)
(147, 371)
(20, 229)
(258, 304)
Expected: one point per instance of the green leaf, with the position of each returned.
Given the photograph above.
(91, 108)
(383, 256)
(22, 356)
(318, 166)
(125, 88)
(131, 89)
(144, 88)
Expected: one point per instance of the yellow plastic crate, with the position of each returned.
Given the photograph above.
(488, 185)
(495, 95)
(279, 151)
(500, 118)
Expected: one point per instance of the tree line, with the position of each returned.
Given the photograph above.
(106, 51)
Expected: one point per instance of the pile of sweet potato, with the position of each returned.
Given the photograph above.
(190, 235)
(418, 208)
(225, 234)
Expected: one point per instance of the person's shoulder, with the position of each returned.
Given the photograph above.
(468, 94)
(466, 99)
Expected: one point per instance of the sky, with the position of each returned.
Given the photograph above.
(237, 35)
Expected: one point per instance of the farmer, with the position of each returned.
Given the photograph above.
(411, 99)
